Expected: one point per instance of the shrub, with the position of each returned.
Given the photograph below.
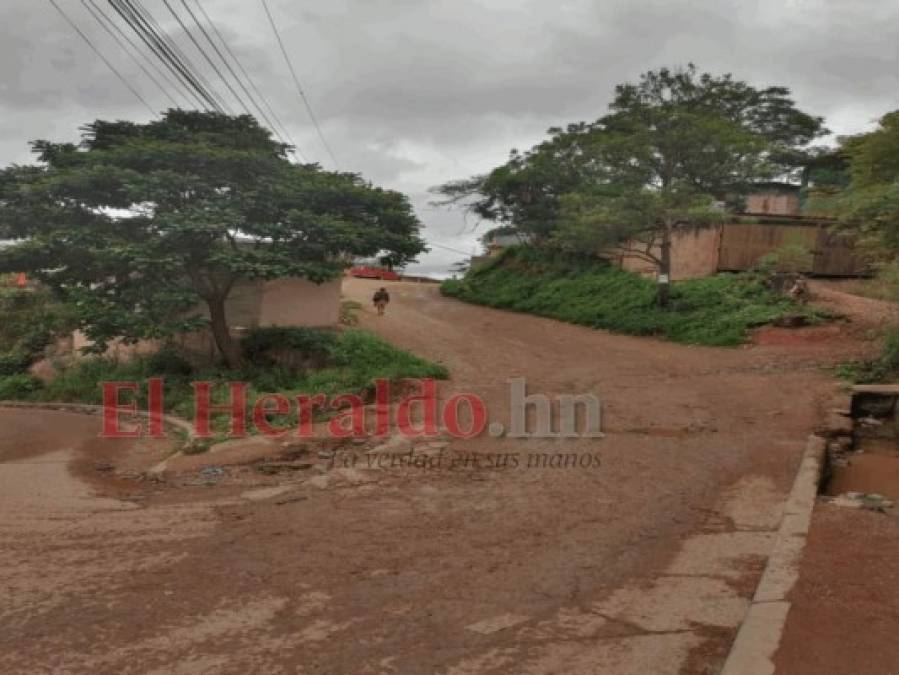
(30, 320)
(13, 362)
(885, 368)
(18, 386)
(793, 258)
(359, 358)
(167, 361)
(309, 343)
(355, 359)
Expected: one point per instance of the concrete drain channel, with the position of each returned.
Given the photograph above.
(862, 465)
(852, 460)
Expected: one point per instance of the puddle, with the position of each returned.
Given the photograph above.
(871, 467)
(868, 473)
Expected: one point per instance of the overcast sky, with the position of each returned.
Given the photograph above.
(412, 93)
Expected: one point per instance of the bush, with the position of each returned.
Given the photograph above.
(13, 362)
(167, 361)
(19, 386)
(30, 320)
(717, 310)
(355, 359)
(883, 369)
(794, 258)
(310, 343)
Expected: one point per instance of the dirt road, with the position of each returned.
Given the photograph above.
(642, 564)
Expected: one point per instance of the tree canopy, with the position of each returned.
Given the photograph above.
(868, 202)
(138, 223)
(671, 150)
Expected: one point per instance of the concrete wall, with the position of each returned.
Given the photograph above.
(283, 302)
(694, 254)
(251, 304)
(298, 302)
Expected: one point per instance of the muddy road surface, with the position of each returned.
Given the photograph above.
(641, 560)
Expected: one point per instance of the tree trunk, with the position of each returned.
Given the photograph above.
(664, 288)
(221, 333)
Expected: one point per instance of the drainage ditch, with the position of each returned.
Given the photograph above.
(863, 450)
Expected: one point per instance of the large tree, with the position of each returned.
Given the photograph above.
(671, 151)
(139, 223)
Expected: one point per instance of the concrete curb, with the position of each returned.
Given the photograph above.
(760, 633)
(86, 409)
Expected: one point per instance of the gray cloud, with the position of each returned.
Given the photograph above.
(415, 92)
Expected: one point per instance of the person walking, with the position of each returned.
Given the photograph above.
(380, 300)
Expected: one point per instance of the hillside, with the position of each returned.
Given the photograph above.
(718, 310)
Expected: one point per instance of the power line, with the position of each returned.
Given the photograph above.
(159, 49)
(249, 79)
(296, 81)
(206, 56)
(171, 52)
(230, 69)
(177, 86)
(448, 248)
(97, 16)
(197, 74)
(105, 60)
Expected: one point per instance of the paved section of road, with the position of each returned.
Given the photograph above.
(642, 564)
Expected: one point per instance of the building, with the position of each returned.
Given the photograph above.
(774, 199)
(771, 219)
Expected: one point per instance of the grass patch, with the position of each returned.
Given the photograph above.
(349, 361)
(717, 310)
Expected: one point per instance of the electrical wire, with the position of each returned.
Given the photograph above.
(177, 87)
(171, 52)
(448, 248)
(161, 52)
(206, 56)
(103, 58)
(91, 10)
(296, 81)
(195, 72)
(222, 58)
(259, 94)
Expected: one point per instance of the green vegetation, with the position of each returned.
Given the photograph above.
(29, 319)
(277, 360)
(18, 386)
(670, 150)
(866, 201)
(885, 368)
(792, 257)
(141, 226)
(717, 310)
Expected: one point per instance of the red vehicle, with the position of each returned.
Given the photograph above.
(370, 272)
